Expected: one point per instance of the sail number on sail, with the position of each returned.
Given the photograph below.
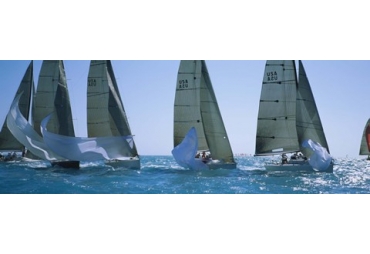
(272, 76)
(183, 84)
(92, 82)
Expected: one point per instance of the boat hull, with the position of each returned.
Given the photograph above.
(296, 167)
(129, 163)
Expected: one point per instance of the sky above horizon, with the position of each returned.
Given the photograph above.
(147, 88)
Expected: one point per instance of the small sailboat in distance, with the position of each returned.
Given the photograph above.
(289, 122)
(365, 141)
(199, 131)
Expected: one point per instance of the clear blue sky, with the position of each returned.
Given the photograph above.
(147, 88)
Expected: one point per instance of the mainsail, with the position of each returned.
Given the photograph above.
(196, 106)
(365, 140)
(52, 96)
(7, 140)
(276, 125)
(187, 103)
(105, 112)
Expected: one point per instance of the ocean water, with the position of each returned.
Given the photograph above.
(136, 223)
(162, 175)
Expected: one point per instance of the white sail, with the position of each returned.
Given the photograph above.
(184, 153)
(196, 107)
(24, 132)
(105, 112)
(320, 159)
(276, 125)
(7, 140)
(86, 149)
(365, 140)
(308, 119)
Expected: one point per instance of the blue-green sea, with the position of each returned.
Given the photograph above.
(275, 213)
(162, 175)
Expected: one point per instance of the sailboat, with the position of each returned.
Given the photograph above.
(199, 130)
(289, 122)
(365, 141)
(117, 147)
(106, 116)
(8, 143)
(51, 97)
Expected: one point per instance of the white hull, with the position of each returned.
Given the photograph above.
(295, 167)
(133, 163)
